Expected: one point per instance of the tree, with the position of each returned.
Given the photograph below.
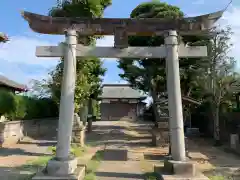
(7, 102)
(89, 69)
(149, 74)
(39, 88)
(218, 80)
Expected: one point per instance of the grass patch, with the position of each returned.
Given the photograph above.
(32, 167)
(93, 165)
(217, 178)
(75, 150)
(35, 165)
(90, 176)
(151, 176)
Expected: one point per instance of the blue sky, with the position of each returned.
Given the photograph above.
(17, 57)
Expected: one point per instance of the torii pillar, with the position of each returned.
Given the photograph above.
(174, 97)
(66, 113)
(63, 164)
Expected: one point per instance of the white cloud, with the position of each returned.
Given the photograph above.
(198, 2)
(231, 18)
(18, 56)
(21, 49)
(106, 41)
(120, 81)
(18, 61)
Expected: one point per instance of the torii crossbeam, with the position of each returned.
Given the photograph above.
(130, 52)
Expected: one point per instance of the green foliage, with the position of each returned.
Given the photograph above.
(89, 8)
(21, 109)
(94, 162)
(7, 102)
(39, 107)
(35, 165)
(156, 9)
(75, 150)
(149, 74)
(93, 165)
(151, 176)
(217, 178)
(31, 108)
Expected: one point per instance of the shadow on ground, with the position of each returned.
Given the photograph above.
(223, 163)
(18, 151)
(118, 136)
(154, 157)
(14, 174)
(119, 175)
(39, 143)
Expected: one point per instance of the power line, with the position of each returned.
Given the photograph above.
(230, 2)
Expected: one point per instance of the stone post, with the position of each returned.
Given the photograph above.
(78, 133)
(63, 164)
(174, 97)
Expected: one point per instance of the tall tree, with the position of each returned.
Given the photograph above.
(89, 69)
(218, 80)
(149, 74)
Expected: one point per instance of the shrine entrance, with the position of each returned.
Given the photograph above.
(121, 29)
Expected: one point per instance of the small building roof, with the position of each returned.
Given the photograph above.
(123, 91)
(12, 84)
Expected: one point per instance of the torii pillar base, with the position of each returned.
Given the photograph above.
(78, 174)
(179, 170)
(62, 170)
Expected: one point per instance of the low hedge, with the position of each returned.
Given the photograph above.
(17, 107)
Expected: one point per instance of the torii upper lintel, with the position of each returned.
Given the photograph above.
(107, 26)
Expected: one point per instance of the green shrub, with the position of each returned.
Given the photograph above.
(20, 112)
(32, 109)
(7, 102)
(24, 107)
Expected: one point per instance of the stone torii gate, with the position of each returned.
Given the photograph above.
(62, 165)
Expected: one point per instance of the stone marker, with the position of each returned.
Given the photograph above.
(78, 132)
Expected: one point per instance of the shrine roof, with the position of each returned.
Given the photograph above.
(12, 84)
(120, 91)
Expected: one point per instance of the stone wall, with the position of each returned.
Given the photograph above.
(225, 125)
(13, 131)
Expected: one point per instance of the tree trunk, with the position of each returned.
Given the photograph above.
(90, 107)
(155, 108)
(84, 113)
(216, 126)
(90, 112)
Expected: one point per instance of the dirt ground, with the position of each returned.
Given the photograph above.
(14, 156)
(212, 161)
(136, 139)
